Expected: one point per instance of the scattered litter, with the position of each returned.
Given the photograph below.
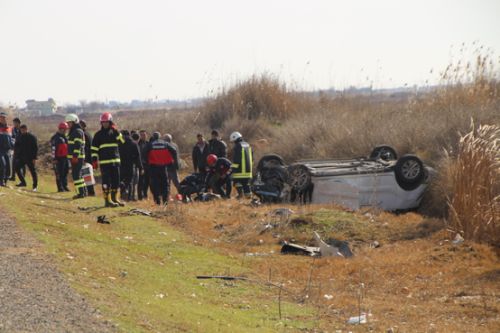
(111, 278)
(128, 237)
(358, 320)
(139, 211)
(219, 227)
(85, 226)
(333, 247)
(69, 256)
(375, 245)
(160, 296)
(59, 222)
(328, 297)
(102, 219)
(458, 239)
(162, 233)
(123, 274)
(291, 248)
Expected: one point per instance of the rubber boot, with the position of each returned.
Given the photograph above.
(114, 198)
(107, 200)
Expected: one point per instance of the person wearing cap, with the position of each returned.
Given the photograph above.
(59, 145)
(219, 175)
(6, 146)
(172, 169)
(27, 154)
(88, 153)
(16, 132)
(76, 154)
(106, 154)
(160, 155)
(216, 146)
(199, 154)
(242, 165)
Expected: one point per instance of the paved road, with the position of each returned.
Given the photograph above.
(34, 297)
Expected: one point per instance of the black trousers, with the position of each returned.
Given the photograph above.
(143, 186)
(242, 186)
(217, 184)
(159, 183)
(32, 169)
(110, 176)
(61, 169)
(173, 177)
(126, 175)
(76, 174)
(4, 167)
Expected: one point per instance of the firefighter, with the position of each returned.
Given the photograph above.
(130, 157)
(106, 154)
(219, 175)
(6, 146)
(88, 154)
(160, 155)
(242, 164)
(76, 154)
(59, 144)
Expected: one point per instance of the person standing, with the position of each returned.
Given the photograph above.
(136, 173)
(130, 157)
(88, 153)
(6, 145)
(76, 154)
(199, 155)
(16, 132)
(59, 145)
(143, 186)
(160, 154)
(242, 165)
(219, 175)
(216, 146)
(27, 150)
(106, 154)
(172, 169)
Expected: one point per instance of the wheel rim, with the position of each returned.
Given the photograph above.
(410, 169)
(299, 178)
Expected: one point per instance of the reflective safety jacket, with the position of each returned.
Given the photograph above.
(105, 146)
(76, 142)
(161, 153)
(59, 145)
(242, 160)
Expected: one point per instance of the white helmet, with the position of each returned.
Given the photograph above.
(72, 117)
(235, 136)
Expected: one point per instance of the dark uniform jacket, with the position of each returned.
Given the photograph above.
(59, 145)
(6, 142)
(76, 142)
(200, 157)
(242, 160)
(217, 147)
(130, 154)
(88, 145)
(26, 147)
(105, 146)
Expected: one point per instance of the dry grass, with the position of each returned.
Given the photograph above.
(474, 185)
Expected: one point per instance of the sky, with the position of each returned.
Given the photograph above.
(122, 50)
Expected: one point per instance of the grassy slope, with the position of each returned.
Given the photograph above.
(125, 268)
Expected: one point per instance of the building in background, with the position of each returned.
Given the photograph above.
(41, 108)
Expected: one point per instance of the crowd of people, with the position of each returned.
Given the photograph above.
(131, 163)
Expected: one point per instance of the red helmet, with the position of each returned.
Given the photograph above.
(63, 125)
(211, 159)
(106, 116)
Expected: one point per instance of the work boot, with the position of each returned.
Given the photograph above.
(21, 184)
(114, 198)
(107, 200)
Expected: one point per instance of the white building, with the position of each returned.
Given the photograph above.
(41, 108)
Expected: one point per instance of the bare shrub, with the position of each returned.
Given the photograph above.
(474, 185)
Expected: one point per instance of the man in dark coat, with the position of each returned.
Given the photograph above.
(130, 157)
(143, 186)
(27, 154)
(216, 146)
(199, 155)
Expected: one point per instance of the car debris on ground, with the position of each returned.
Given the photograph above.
(331, 248)
(103, 220)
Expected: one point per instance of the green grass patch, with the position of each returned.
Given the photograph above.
(140, 272)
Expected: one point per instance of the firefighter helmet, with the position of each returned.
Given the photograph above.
(63, 125)
(106, 116)
(235, 136)
(71, 117)
(211, 159)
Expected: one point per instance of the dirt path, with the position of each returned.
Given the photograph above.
(34, 297)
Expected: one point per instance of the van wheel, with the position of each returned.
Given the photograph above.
(384, 152)
(410, 172)
(299, 177)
